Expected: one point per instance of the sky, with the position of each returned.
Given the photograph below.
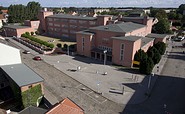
(98, 3)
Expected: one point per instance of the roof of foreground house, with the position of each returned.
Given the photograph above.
(33, 110)
(66, 107)
(21, 74)
(123, 27)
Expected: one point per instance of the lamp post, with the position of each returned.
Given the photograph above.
(105, 57)
(5, 33)
(149, 81)
(68, 49)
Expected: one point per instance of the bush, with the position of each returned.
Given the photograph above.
(59, 45)
(36, 32)
(27, 33)
(65, 46)
(32, 33)
(37, 40)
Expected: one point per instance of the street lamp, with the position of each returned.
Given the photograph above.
(5, 33)
(68, 49)
(149, 81)
(105, 51)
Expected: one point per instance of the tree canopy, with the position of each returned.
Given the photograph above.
(19, 13)
(162, 27)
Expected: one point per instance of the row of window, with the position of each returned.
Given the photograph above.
(105, 48)
(13, 30)
(72, 21)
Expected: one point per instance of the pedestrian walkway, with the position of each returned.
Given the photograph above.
(145, 87)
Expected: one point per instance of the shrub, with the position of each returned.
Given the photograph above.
(59, 45)
(36, 32)
(32, 33)
(27, 33)
(65, 46)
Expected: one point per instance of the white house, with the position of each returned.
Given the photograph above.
(9, 55)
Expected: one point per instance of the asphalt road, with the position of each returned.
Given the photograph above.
(167, 96)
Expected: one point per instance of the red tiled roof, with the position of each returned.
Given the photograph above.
(4, 11)
(66, 107)
(2, 16)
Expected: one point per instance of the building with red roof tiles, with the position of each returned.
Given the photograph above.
(66, 107)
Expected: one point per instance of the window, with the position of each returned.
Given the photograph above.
(73, 26)
(121, 52)
(72, 21)
(92, 23)
(56, 25)
(72, 31)
(50, 19)
(64, 26)
(50, 24)
(82, 22)
(65, 30)
(57, 20)
(83, 43)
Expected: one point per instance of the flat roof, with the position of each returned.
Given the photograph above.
(122, 27)
(16, 26)
(22, 74)
(33, 110)
(86, 32)
(145, 40)
(67, 16)
(128, 38)
(154, 35)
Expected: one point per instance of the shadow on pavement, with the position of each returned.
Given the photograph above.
(166, 97)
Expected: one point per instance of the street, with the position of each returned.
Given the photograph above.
(167, 96)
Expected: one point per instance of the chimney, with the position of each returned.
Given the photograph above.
(45, 9)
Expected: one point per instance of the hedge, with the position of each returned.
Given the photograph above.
(37, 40)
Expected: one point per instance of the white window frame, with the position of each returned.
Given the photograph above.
(122, 52)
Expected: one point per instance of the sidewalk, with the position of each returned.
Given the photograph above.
(142, 93)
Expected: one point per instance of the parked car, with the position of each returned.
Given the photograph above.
(179, 38)
(37, 58)
(26, 52)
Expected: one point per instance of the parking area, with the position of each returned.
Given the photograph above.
(103, 79)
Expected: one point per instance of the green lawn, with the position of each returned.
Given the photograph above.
(56, 40)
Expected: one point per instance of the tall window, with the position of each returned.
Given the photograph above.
(121, 52)
(83, 42)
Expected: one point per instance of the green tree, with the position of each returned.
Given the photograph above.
(162, 27)
(161, 47)
(19, 13)
(146, 66)
(181, 8)
(172, 15)
(154, 54)
(158, 13)
(139, 55)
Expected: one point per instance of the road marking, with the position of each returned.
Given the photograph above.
(78, 85)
